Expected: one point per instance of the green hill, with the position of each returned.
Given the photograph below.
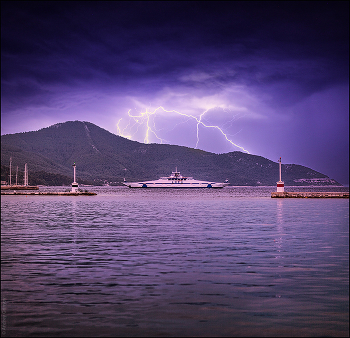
(101, 156)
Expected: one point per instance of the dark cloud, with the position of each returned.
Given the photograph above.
(267, 59)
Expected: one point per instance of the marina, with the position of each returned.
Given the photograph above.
(13, 189)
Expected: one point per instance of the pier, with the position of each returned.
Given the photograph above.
(53, 193)
(309, 194)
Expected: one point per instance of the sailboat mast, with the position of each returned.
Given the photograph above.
(25, 175)
(10, 169)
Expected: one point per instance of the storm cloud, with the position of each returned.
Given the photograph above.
(274, 76)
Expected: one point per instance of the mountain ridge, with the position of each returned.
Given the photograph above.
(101, 156)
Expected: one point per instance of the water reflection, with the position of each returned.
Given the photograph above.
(279, 225)
(279, 239)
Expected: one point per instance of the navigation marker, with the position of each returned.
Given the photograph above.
(280, 184)
(74, 184)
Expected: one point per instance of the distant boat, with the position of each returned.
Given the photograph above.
(176, 180)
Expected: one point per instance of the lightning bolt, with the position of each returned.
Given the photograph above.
(144, 118)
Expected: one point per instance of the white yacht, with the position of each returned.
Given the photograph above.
(176, 180)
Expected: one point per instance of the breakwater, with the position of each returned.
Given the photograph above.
(69, 193)
(310, 194)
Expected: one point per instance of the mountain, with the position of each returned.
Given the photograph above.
(101, 156)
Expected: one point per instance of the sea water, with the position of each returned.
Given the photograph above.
(139, 262)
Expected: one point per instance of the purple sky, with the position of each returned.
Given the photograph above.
(271, 77)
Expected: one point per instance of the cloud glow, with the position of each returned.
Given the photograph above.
(144, 123)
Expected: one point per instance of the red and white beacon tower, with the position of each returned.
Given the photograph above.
(74, 184)
(280, 184)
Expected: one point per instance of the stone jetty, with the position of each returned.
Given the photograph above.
(67, 193)
(309, 194)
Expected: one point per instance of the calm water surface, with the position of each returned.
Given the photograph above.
(229, 262)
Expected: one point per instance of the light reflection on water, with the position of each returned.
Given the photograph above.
(230, 262)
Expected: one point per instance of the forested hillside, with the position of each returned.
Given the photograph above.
(101, 157)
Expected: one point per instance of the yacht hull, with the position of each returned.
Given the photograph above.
(175, 185)
(176, 181)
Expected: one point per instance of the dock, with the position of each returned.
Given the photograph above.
(309, 194)
(67, 193)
